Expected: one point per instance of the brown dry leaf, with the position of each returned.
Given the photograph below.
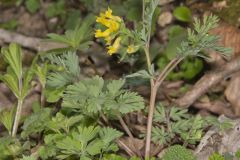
(139, 143)
(232, 93)
(230, 37)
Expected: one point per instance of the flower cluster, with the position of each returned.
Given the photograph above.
(113, 25)
(113, 34)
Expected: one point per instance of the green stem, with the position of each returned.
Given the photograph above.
(165, 74)
(17, 117)
(147, 54)
(154, 88)
(19, 107)
(42, 98)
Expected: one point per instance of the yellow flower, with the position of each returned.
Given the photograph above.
(99, 33)
(111, 22)
(131, 49)
(108, 40)
(108, 13)
(114, 48)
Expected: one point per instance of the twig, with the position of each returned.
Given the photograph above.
(216, 107)
(127, 130)
(28, 42)
(118, 141)
(208, 81)
(125, 147)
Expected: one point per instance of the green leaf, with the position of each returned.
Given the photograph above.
(160, 136)
(73, 19)
(183, 13)
(11, 24)
(141, 74)
(53, 94)
(27, 78)
(133, 10)
(36, 122)
(87, 133)
(56, 9)
(113, 157)
(195, 131)
(6, 118)
(216, 156)
(61, 122)
(28, 158)
(41, 72)
(179, 153)
(199, 40)
(129, 102)
(115, 86)
(177, 114)
(86, 94)
(91, 96)
(67, 144)
(13, 57)
(47, 152)
(12, 83)
(77, 37)
(85, 158)
(70, 73)
(32, 5)
(159, 114)
(94, 147)
(107, 136)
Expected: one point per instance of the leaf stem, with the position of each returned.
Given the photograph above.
(17, 118)
(143, 9)
(19, 106)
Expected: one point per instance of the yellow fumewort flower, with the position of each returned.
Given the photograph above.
(114, 48)
(131, 49)
(111, 22)
(108, 40)
(99, 33)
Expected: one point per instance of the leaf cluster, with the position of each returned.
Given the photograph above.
(200, 40)
(189, 67)
(82, 142)
(15, 77)
(225, 156)
(176, 122)
(149, 10)
(93, 96)
(58, 72)
(178, 152)
(76, 39)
